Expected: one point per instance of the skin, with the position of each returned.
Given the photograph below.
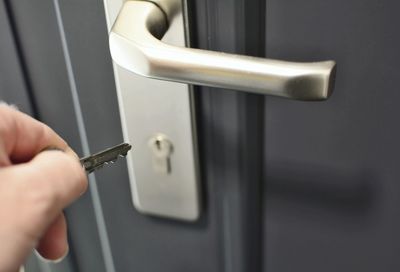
(35, 186)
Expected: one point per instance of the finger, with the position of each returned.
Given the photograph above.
(61, 175)
(42, 188)
(23, 137)
(54, 244)
(32, 195)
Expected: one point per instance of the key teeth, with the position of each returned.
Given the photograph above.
(104, 164)
(97, 161)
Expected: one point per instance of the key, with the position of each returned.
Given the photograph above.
(110, 155)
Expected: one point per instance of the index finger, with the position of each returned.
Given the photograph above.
(22, 137)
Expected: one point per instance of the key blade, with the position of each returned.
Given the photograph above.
(109, 155)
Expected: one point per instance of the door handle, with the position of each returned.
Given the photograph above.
(136, 46)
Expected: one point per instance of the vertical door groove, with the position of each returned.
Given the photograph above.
(231, 133)
(98, 211)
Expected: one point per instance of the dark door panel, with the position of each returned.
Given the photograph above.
(13, 84)
(331, 168)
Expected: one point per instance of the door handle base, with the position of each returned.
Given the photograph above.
(135, 45)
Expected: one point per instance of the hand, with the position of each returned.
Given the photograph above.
(35, 186)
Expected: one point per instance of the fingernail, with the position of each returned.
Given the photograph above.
(52, 148)
(43, 259)
(12, 106)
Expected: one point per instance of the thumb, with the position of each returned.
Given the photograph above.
(32, 195)
(51, 181)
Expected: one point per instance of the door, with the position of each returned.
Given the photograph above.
(285, 185)
(330, 169)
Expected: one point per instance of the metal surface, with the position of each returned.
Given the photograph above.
(135, 45)
(149, 107)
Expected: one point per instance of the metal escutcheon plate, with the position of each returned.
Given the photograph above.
(147, 107)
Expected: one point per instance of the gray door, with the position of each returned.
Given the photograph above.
(331, 170)
(286, 185)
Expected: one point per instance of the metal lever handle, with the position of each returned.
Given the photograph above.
(135, 45)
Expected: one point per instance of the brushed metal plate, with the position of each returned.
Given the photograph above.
(149, 107)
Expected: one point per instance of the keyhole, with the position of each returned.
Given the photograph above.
(158, 144)
(162, 148)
